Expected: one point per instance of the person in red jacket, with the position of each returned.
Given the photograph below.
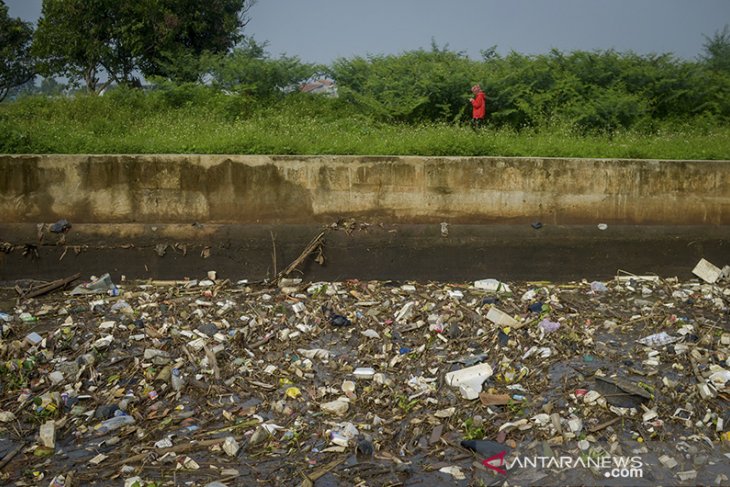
(478, 104)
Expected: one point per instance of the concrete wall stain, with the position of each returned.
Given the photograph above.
(260, 193)
(23, 183)
(310, 189)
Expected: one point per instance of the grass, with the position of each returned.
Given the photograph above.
(472, 432)
(219, 124)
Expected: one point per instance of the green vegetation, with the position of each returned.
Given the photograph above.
(86, 40)
(195, 119)
(471, 431)
(404, 404)
(212, 91)
(15, 60)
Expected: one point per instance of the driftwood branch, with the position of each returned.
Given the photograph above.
(315, 244)
(51, 286)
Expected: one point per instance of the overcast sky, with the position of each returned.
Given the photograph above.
(319, 31)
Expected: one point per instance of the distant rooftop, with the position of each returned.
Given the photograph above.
(321, 87)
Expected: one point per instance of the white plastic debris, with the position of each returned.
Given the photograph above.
(445, 413)
(529, 295)
(405, 312)
(591, 397)
(55, 377)
(649, 415)
(499, 317)
(342, 434)
(337, 407)
(58, 481)
(101, 285)
(454, 471)
(492, 285)
(668, 461)
(687, 475)
(231, 446)
(150, 353)
(298, 308)
(469, 380)
(628, 278)
(6, 417)
(382, 379)
(725, 272)
(130, 482)
(720, 377)
(682, 414)
(48, 434)
(658, 339)
(163, 443)
(444, 229)
(705, 391)
(370, 333)
(314, 353)
(348, 387)
(33, 338)
(107, 325)
(187, 463)
(707, 272)
(575, 424)
(541, 419)
(337, 438)
(289, 282)
(364, 373)
(98, 459)
(598, 287)
(103, 342)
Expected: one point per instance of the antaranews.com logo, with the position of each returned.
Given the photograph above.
(610, 466)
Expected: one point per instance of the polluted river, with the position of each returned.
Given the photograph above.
(215, 382)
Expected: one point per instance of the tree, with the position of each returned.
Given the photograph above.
(249, 70)
(173, 34)
(51, 87)
(105, 41)
(414, 86)
(80, 39)
(16, 64)
(717, 50)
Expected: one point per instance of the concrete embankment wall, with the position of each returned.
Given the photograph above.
(318, 189)
(174, 216)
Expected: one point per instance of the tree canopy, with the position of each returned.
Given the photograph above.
(596, 90)
(190, 48)
(249, 70)
(172, 33)
(91, 40)
(717, 50)
(16, 63)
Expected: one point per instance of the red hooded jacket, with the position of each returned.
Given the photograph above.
(479, 106)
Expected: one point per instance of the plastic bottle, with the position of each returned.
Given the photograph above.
(58, 481)
(364, 373)
(27, 318)
(114, 423)
(176, 379)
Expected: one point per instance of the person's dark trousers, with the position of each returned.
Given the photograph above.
(477, 123)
